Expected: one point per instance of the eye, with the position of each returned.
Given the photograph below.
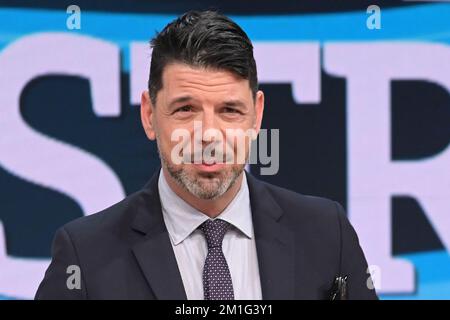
(185, 108)
(230, 110)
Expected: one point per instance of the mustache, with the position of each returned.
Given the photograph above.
(209, 154)
(217, 157)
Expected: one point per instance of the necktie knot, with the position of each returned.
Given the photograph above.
(214, 231)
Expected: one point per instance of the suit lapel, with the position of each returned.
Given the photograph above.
(274, 244)
(154, 252)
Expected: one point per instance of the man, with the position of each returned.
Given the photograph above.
(206, 229)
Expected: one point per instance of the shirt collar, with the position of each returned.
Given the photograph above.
(182, 219)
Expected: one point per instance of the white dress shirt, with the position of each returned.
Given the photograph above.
(190, 248)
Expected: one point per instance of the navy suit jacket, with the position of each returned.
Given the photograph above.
(124, 251)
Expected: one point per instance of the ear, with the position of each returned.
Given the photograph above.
(147, 109)
(259, 110)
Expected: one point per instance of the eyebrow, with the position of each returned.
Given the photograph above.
(179, 100)
(227, 103)
(234, 103)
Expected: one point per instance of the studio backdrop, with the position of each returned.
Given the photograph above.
(360, 96)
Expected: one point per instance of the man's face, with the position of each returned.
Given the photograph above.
(194, 101)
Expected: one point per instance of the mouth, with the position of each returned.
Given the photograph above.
(209, 167)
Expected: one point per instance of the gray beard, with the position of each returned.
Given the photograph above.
(207, 188)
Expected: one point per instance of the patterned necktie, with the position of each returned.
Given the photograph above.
(217, 284)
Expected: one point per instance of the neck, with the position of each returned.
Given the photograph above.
(212, 208)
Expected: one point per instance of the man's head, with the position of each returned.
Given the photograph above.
(202, 72)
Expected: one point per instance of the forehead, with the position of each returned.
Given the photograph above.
(180, 78)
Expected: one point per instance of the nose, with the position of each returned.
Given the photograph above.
(210, 126)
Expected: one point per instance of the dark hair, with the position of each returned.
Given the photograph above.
(202, 39)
